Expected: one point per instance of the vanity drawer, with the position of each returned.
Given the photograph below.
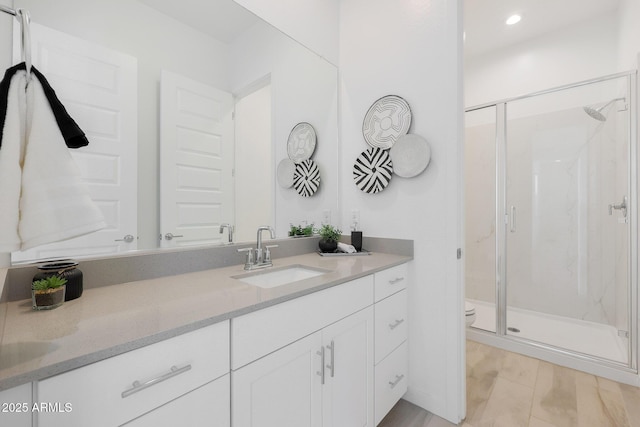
(390, 381)
(257, 334)
(390, 281)
(391, 324)
(104, 394)
(208, 405)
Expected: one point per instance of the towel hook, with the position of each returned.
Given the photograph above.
(25, 38)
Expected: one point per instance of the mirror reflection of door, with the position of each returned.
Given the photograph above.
(98, 86)
(254, 162)
(196, 161)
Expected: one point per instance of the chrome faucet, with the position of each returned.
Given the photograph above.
(228, 227)
(259, 257)
(260, 252)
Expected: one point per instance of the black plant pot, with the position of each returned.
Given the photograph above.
(66, 269)
(327, 245)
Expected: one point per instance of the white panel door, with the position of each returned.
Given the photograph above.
(347, 396)
(282, 389)
(196, 161)
(98, 87)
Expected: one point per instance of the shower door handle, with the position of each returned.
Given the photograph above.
(621, 206)
(512, 226)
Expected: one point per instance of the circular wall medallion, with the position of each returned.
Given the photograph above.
(372, 170)
(387, 119)
(410, 155)
(285, 171)
(301, 143)
(306, 178)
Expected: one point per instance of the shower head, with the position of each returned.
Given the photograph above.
(596, 113)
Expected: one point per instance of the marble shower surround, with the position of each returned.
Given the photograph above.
(567, 257)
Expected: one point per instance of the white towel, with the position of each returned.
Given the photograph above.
(348, 249)
(54, 202)
(11, 156)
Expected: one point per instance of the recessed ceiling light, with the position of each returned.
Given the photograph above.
(513, 19)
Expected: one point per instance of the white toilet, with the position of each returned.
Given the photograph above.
(470, 313)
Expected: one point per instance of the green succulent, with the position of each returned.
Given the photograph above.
(329, 232)
(298, 230)
(51, 282)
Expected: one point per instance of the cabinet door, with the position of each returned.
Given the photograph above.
(206, 406)
(282, 389)
(347, 397)
(16, 406)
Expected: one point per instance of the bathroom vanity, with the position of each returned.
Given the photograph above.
(203, 348)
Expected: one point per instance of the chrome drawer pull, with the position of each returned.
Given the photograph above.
(321, 371)
(396, 280)
(394, 325)
(137, 386)
(332, 347)
(397, 381)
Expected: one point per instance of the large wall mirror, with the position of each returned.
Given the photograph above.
(188, 109)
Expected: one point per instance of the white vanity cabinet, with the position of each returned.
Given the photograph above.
(117, 390)
(391, 358)
(320, 373)
(16, 406)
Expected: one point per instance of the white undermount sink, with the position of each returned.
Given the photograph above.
(273, 277)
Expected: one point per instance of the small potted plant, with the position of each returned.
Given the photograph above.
(300, 231)
(329, 236)
(48, 293)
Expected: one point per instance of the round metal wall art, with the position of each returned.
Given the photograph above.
(387, 119)
(301, 143)
(410, 155)
(372, 170)
(306, 178)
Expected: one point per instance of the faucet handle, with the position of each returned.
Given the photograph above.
(267, 252)
(249, 260)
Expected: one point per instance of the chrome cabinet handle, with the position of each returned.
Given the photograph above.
(332, 347)
(395, 324)
(171, 236)
(138, 386)
(396, 280)
(128, 238)
(513, 219)
(321, 371)
(394, 383)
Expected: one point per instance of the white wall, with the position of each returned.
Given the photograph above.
(411, 48)
(253, 164)
(579, 52)
(311, 22)
(629, 34)
(6, 36)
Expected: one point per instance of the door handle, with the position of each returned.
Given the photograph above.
(622, 206)
(171, 236)
(332, 364)
(321, 371)
(512, 227)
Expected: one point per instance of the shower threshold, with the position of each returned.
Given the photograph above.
(581, 336)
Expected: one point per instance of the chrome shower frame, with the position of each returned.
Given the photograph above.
(621, 372)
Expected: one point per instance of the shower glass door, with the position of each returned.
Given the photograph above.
(480, 220)
(567, 219)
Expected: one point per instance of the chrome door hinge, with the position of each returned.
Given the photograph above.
(459, 253)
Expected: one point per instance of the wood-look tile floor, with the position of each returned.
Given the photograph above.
(512, 390)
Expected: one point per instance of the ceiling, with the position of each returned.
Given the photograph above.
(484, 20)
(223, 20)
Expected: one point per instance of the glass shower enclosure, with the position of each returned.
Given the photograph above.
(551, 225)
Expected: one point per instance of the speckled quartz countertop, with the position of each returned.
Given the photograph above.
(111, 320)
